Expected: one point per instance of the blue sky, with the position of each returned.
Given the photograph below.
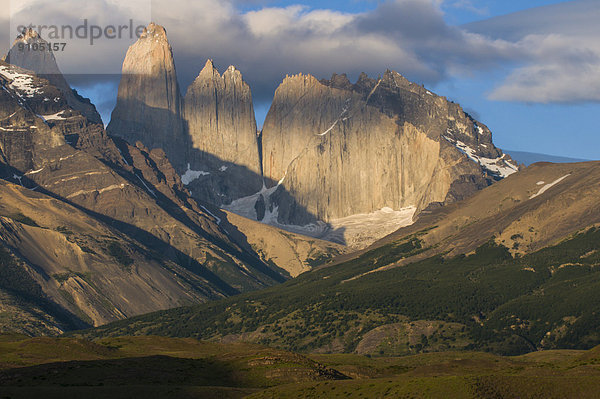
(458, 12)
(493, 7)
(530, 70)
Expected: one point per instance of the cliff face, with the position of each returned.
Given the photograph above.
(149, 101)
(329, 149)
(339, 149)
(210, 136)
(219, 117)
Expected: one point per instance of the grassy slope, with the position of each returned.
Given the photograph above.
(180, 367)
(154, 367)
(547, 299)
(547, 374)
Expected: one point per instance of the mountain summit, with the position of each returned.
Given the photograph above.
(341, 149)
(329, 150)
(43, 63)
(220, 118)
(149, 102)
(210, 136)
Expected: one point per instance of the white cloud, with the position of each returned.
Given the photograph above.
(406, 35)
(60, 21)
(554, 83)
(555, 47)
(559, 68)
(559, 48)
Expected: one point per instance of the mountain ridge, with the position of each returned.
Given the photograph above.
(100, 208)
(268, 175)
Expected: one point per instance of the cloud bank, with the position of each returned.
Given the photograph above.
(552, 51)
(560, 47)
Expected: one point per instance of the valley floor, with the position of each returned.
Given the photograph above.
(157, 367)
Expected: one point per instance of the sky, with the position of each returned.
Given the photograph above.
(529, 70)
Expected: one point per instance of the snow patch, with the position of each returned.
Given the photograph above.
(122, 157)
(547, 186)
(361, 230)
(191, 175)
(22, 83)
(340, 118)
(357, 231)
(33, 172)
(245, 206)
(477, 127)
(498, 166)
(19, 178)
(147, 188)
(53, 117)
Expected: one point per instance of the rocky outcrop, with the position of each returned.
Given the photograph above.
(335, 149)
(211, 134)
(149, 101)
(219, 116)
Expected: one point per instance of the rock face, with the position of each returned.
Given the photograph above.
(335, 149)
(149, 101)
(211, 134)
(220, 120)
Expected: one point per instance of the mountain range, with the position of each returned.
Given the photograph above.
(98, 229)
(512, 269)
(373, 217)
(528, 158)
(328, 150)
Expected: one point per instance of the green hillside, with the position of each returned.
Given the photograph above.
(486, 300)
